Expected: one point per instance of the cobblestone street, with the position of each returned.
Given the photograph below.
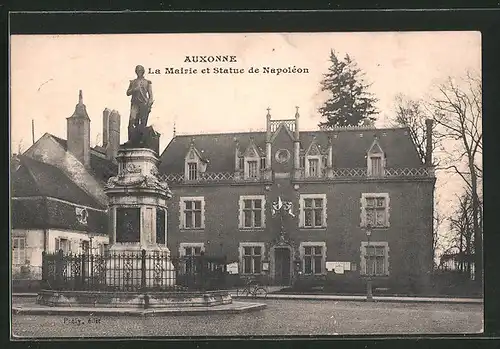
(281, 317)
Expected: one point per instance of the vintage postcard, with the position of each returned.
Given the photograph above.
(251, 184)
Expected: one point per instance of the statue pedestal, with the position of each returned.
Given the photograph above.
(137, 220)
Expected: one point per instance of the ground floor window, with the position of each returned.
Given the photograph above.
(313, 257)
(103, 248)
(192, 250)
(375, 258)
(63, 244)
(85, 246)
(251, 258)
(19, 250)
(188, 253)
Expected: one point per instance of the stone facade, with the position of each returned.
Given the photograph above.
(341, 180)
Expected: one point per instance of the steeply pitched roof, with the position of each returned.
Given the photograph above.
(101, 168)
(62, 142)
(35, 178)
(43, 213)
(219, 149)
(349, 148)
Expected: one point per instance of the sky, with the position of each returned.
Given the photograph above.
(47, 71)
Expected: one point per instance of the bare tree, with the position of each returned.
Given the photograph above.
(461, 225)
(458, 115)
(437, 238)
(413, 113)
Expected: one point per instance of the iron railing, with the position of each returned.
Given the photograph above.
(337, 173)
(361, 173)
(131, 271)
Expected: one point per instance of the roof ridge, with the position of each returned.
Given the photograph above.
(56, 137)
(361, 128)
(25, 161)
(343, 128)
(216, 134)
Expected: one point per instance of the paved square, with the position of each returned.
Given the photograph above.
(281, 317)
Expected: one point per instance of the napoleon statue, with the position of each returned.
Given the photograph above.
(141, 102)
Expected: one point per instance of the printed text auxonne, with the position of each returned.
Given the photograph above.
(210, 59)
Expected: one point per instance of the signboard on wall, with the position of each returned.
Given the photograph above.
(338, 267)
(232, 268)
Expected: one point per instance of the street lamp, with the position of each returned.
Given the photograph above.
(369, 294)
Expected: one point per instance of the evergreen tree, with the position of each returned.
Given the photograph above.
(350, 103)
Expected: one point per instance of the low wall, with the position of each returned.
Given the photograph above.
(26, 285)
(143, 300)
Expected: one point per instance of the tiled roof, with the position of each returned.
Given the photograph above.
(217, 148)
(35, 178)
(62, 142)
(54, 214)
(101, 168)
(349, 148)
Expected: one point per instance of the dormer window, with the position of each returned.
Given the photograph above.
(313, 161)
(253, 169)
(192, 171)
(252, 161)
(313, 168)
(375, 160)
(376, 166)
(194, 164)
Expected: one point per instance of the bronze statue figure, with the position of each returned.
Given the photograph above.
(142, 99)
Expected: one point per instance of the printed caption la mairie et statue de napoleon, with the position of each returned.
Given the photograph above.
(224, 70)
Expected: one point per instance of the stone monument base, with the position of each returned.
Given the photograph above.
(143, 300)
(125, 265)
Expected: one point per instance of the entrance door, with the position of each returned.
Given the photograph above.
(282, 266)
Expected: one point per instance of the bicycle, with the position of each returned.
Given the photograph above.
(252, 288)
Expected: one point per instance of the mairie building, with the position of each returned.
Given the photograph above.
(281, 203)
(336, 184)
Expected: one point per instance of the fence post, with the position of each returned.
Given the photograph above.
(91, 272)
(143, 269)
(59, 269)
(44, 270)
(83, 271)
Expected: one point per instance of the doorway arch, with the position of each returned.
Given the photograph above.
(282, 257)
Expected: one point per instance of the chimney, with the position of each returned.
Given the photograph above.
(78, 133)
(105, 127)
(297, 116)
(296, 142)
(329, 159)
(268, 125)
(236, 156)
(113, 140)
(268, 139)
(428, 150)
